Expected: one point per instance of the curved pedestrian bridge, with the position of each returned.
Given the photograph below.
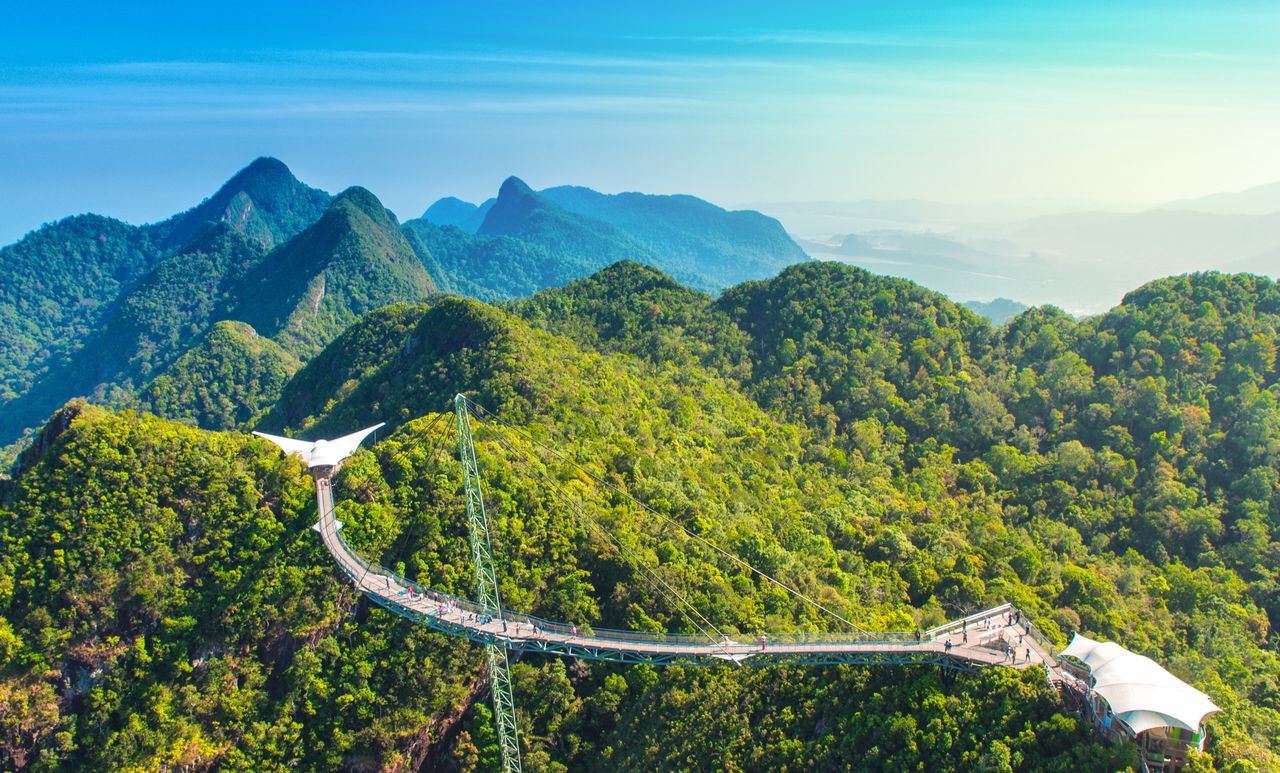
(1001, 636)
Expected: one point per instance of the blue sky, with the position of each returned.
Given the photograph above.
(140, 111)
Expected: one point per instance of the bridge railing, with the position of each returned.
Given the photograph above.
(1003, 610)
(439, 604)
(963, 623)
(1044, 641)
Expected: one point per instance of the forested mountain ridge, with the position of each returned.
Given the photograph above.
(61, 279)
(568, 232)
(491, 268)
(67, 287)
(264, 201)
(1148, 519)
(301, 294)
(97, 308)
(351, 261)
(1155, 424)
(695, 238)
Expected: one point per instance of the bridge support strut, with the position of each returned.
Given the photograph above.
(504, 707)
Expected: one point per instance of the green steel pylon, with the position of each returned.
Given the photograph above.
(504, 706)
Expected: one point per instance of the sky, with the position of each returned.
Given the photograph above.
(138, 110)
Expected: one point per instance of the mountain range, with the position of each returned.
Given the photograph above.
(693, 240)
(292, 262)
(1259, 200)
(866, 441)
(1081, 258)
(99, 308)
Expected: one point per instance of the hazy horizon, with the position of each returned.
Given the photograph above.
(138, 111)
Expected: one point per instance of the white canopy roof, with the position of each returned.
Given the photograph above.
(321, 453)
(1141, 693)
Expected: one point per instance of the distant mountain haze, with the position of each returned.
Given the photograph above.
(930, 259)
(1081, 261)
(697, 242)
(458, 213)
(1259, 200)
(999, 311)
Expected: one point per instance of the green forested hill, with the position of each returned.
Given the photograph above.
(353, 260)
(225, 381)
(146, 328)
(300, 294)
(59, 282)
(90, 306)
(263, 201)
(1105, 489)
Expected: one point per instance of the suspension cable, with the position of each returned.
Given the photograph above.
(561, 493)
(413, 525)
(666, 519)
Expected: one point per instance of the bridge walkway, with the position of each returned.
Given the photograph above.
(1000, 636)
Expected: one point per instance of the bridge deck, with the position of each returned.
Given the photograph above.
(978, 641)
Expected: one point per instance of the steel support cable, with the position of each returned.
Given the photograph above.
(560, 492)
(365, 563)
(671, 521)
(425, 433)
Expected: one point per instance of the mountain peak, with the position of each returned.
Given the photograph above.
(363, 200)
(514, 187)
(262, 168)
(263, 201)
(458, 213)
(448, 208)
(352, 260)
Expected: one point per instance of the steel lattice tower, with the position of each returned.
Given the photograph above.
(504, 707)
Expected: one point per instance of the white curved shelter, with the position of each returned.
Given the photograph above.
(322, 453)
(1139, 691)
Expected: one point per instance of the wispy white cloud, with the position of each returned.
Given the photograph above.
(819, 38)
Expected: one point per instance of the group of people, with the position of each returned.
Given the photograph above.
(447, 605)
(1012, 619)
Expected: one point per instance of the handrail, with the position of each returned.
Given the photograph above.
(400, 585)
(371, 568)
(451, 612)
